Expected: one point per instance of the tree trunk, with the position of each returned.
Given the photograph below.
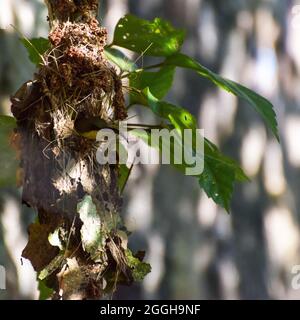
(59, 165)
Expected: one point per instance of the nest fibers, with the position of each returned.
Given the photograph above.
(77, 78)
(75, 82)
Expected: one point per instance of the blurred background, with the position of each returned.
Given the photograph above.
(197, 250)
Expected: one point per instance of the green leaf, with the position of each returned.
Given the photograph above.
(181, 119)
(91, 234)
(260, 104)
(220, 172)
(219, 175)
(124, 173)
(118, 58)
(7, 122)
(52, 266)
(159, 83)
(139, 269)
(178, 116)
(8, 161)
(45, 292)
(154, 38)
(212, 151)
(36, 47)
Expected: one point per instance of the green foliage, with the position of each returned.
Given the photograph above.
(219, 175)
(180, 117)
(8, 161)
(45, 292)
(154, 38)
(159, 39)
(52, 266)
(124, 173)
(260, 104)
(158, 82)
(118, 58)
(36, 47)
(220, 172)
(139, 269)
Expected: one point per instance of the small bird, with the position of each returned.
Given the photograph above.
(90, 124)
(89, 127)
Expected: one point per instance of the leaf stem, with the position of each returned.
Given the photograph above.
(154, 66)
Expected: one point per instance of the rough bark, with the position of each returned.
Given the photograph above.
(59, 165)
